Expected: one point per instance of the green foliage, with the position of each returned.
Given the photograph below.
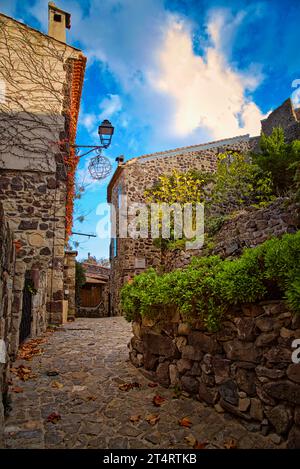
(278, 159)
(179, 188)
(239, 183)
(79, 279)
(210, 285)
(293, 295)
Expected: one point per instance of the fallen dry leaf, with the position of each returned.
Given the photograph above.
(29, 349)
(200, 445)
(56, 384)
(191, 440)
(185, 422)
(128, 386)
(91, 398)
(230, 444)
(158, 400)
(17, 389)
(152, 385)
(152, 419)
(135, 418)
(23, 372)
(54, 417)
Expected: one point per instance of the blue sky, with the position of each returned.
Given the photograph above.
(172, 73)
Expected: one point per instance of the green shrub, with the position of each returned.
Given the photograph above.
(239, 183)
(278, 159)
(210, 285)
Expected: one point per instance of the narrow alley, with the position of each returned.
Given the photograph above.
(81, 391)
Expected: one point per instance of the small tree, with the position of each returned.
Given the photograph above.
(278, 158)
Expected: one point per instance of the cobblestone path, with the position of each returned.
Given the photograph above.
(91, 359)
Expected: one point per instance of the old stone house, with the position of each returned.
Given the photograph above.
(41, 80)
(131, 256)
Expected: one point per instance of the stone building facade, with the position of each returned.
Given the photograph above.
(41, 80)
(131, 256)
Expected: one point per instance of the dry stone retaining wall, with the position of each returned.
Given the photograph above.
(249, 228)
(245, 369)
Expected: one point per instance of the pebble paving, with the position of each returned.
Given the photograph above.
(89, 358)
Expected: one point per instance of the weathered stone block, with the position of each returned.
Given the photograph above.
(256, 409)
(233, 410)
(184, 365)
(137, 344)
(150, 360)
(245, 327)
(180, 342)
(266, 338)
(160, 345)
(284, 390)
(265, 324)
(293, 372)
(227, 332)
(280, 417)
(196, 369)
(203, 342)
(252, 310)
(208, 395)
(221, 369)
(237, 350)
(162, 374)
(244, 404)
(294, 438)
(174, 375)
(184, 328)
(229, 392)
(246, 381)
(271, 373)
(189, 384)
(191, 353)
(276, 354)
(28, 225)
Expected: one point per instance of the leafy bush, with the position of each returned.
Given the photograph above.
(239, 183)
(278, 159)
(210, 285)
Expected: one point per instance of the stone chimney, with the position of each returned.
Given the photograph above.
(58, 22)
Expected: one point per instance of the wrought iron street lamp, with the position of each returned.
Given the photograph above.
(99, 166)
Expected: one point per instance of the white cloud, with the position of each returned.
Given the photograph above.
(208, 93)
(89, 121)
(176, 96)
(110, 105)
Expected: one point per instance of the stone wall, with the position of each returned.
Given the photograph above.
(7, 265)
(34, 205)
(248, 228)
(284, 116)
(245, 369)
